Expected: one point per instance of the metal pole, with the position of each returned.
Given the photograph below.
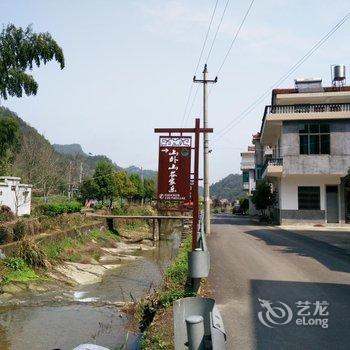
(205, 82)
(195, 185)
(195, 332)
(206, 155)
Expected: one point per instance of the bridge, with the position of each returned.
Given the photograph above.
(156, 220)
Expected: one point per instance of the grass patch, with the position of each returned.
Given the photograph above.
(160, 302)
(80, 248)
(16, 270)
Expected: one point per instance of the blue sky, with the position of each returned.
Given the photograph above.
(129, 66)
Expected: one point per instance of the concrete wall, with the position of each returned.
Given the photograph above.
(15, 195)
(338, 162)
(288, 194)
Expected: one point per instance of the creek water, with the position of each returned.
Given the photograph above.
(63, 319)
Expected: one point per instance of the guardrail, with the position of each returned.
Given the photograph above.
(197, 321)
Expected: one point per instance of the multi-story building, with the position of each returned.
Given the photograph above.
(248, 169)
(308, 130)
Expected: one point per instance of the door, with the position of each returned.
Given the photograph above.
(332, 204)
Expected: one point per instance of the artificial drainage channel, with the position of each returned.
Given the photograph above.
(63, 319)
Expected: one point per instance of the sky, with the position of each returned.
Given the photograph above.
(130, 63)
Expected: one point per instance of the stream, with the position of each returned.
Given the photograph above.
(63, 319)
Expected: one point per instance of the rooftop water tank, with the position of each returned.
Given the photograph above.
(339, 72)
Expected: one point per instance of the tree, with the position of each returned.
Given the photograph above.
(104, 178)
(149, 187)
(244, 205)
(21, 50)
(89, 189)
(125, 187)
(38, 164)
(263, 198)
(139, 189)
(9, 141)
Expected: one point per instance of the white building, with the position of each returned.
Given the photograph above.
(308, 129)
(248, 169)
(15, 195)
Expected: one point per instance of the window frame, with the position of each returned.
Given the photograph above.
(314, 148)
(245, 172)
(308, 206)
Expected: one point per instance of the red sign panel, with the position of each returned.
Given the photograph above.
(174, 168)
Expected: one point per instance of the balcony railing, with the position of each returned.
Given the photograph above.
(308, 108)
(273, 162)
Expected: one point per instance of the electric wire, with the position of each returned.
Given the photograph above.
(198, 62)
(253, 105)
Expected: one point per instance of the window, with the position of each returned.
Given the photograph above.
(309, 197)
(245, 176)
(314, 138)
(258, 171)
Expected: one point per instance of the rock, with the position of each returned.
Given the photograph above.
(111, 267)
(37, 287)
(82, 273)
(122, 248)
(112, 258)
(5, 297)
(146, 247)
(11, 288)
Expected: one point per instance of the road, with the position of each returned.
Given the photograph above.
(281, 268)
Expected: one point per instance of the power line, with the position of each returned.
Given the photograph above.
(253, 105)
(233, 40)
(217, 31)
(236, 35)
(199, 60)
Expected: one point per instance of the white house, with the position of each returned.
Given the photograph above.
(15, 195)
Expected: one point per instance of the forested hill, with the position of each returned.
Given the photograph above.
(49, 168)
(230, 187)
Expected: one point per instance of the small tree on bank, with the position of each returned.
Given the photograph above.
(263, 198)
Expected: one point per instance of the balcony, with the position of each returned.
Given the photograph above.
(245, 185)
(275, 115)
(273, 167)
(247, 165)
(308, 108)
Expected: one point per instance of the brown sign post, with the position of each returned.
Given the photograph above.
(174, 172)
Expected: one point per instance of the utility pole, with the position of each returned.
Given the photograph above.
(205, 82)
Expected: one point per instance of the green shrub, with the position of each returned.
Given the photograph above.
(31, 253)
(6, 214)
(19, 230)
(16, 264)
(54, 209)
(4, 234)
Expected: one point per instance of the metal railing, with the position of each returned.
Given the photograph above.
(272, 161)
(197, 321)
(309, 108)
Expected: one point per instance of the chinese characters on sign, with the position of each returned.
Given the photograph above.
(174, 168)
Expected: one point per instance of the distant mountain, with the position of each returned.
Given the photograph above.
(73, 149)
(230, 187)
(147, 173)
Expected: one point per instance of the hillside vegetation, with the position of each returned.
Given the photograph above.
(49, 168)
(230, 187)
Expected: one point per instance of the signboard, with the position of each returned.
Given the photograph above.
(174, 168)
